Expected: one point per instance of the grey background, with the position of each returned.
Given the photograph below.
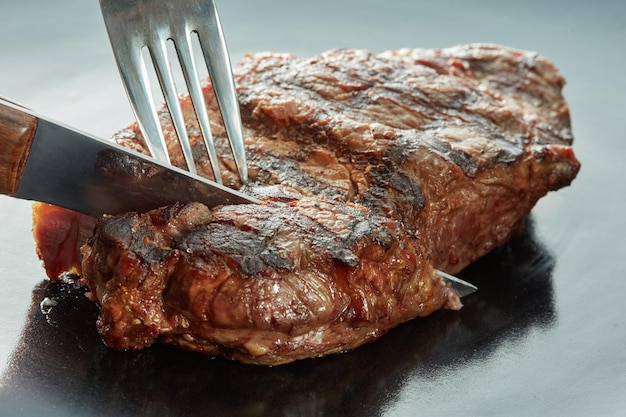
(55, 58)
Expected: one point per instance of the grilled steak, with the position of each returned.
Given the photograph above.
(374, 169)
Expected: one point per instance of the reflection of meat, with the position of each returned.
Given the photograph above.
(125, 170)
(444, 151)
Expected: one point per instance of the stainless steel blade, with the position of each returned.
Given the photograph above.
(78, 171)
(463, 288)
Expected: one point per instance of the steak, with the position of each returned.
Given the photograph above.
(374, 170)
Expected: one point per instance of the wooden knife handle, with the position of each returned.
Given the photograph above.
(17, 131)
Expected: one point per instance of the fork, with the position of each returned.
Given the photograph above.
(133, 25)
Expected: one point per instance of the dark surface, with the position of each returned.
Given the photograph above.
(544, 335)
(61, 361)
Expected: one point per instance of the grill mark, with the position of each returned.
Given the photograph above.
(265, 244)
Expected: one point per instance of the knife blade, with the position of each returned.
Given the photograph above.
(45, 160)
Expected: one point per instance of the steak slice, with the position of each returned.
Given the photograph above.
(374, 169)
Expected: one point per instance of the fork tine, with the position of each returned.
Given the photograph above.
(216, 56)
(188, 65)
(132, 68)
(163, 69)
(137, 84)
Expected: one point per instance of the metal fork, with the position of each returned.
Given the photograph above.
(136, 24)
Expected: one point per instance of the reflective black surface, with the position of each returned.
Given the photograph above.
(544, 335)
(60, 361)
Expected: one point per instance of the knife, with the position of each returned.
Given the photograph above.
(47, 161)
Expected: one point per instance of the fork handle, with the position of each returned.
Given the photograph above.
(17, 131)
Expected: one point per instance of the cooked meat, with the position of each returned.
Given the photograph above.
(374, 168)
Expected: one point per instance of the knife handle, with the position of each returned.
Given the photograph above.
(17, 131)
